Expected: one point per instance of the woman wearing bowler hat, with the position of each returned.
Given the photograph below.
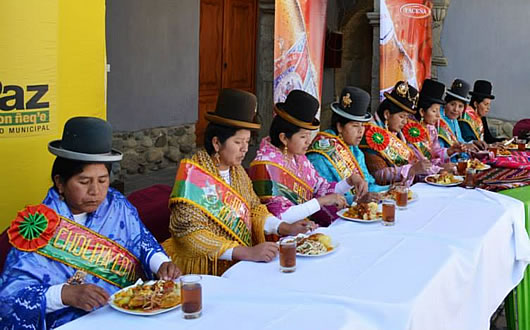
(82, 244)
(216, 217)
(428, 114)
(473, 123)
(283, 176)
(335, 152)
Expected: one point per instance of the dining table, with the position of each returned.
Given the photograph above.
(449, 261)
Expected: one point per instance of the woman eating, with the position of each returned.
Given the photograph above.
(388, 156)
(335, 152)
(474, 124)
(82, 244)
(282, 175)
(216, 218)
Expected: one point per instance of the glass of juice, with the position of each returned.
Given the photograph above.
(461, 167)
(402, 196)
(287, 255)
(191, 296)
(389, 212)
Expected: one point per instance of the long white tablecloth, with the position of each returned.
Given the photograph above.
(448, 263)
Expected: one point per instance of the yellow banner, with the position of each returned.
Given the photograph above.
(52, 68)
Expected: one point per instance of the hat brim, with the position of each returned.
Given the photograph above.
(335, 108)
(210, 116)
(487, 96)
(456, 96)
(284, 115)
(55, 148)
(399, 104)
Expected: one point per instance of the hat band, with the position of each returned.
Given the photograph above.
(460, 97)
(346, 115)
(292, 120)
(231, 122)
(105, 157)
(399, 104)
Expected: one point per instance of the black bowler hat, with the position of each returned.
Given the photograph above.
(87, 139)
(404, 96)
(353, 104)
(482, 88)
(235, 108)
(299, 109)
(431, 92)
(459, 90)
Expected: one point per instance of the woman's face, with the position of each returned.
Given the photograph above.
(298, 143)
(396, 121)
(84, 192)
(233, 151)
(352, 132)
(454, 109)
(483, 108)
(431, 116)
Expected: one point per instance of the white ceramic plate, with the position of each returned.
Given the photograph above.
(414, 198)
(458, 177)
(334, 243)
(138, 312)
(343, 211)
(486, 167)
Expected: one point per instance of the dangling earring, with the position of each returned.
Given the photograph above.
(216, 159)
(341, 137)
(284, 150)
(386, 123)
(61, 196)
(421, 120)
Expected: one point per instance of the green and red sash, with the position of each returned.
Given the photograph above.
(271, 179)
(338, 154)
(40, 229)
(445, 133)
(387, 144)
(471, 118)
(196, 186)
(417, 135)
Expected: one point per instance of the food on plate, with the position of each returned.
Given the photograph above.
(504, 152)
(149, 297)
(314, 244)
(476, 164)
(443, 178)
(392, 194)
(365, 211)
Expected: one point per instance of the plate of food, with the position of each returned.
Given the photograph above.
(149, 298)
(513, 146)
(444, 179)
(362, 212)
(477, 165)
(315, 245)
(503, 152)
(392, 194)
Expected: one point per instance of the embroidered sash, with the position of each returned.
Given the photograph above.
(270, 179)
(471, 118)
(196, 186)
(387, 144)
(445, 133)
(417, 135)
(40, 229)
(338, 154)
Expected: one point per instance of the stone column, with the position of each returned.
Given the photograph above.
(439, 11)
(373, 18)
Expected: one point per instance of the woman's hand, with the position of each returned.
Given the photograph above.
(298, 227)
(369, 197)
(262, 252)
(449, 167)
(422, 166)
(84, 296)
(332, 199)
(457, 147)
(168, 271)
(361, 186)
(481, 145)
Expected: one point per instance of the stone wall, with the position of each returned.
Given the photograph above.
(152, 149)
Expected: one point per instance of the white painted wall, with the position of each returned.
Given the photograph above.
(490, 39)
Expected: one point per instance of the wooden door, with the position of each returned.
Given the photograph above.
(227, 52)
